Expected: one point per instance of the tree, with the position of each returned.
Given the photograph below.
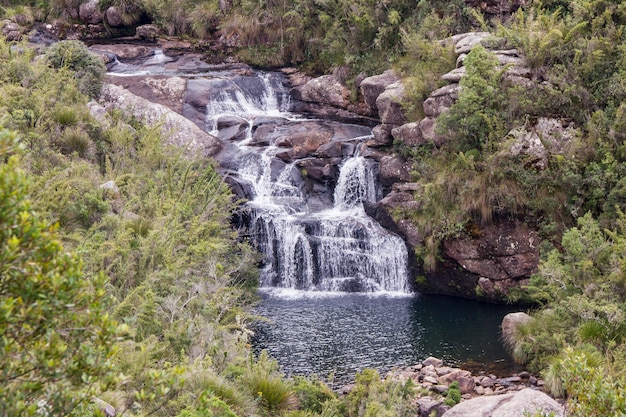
(56, 337)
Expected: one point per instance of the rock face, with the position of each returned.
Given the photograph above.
(523, 403)
(176, 129)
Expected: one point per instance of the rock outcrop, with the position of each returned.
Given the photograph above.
(520, 404)
(481, 395)
(176, 129)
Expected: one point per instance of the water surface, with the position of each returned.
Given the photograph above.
(326, 334)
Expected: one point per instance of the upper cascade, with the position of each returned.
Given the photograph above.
(308, 243)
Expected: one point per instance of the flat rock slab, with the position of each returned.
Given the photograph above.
(520, 404)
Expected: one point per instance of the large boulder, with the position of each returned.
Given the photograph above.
(389, 105)
(372, 87)
(510, 324)
(441, 100)
(393, 170)
(167, 91)
(176, 129)
(113, 17)
(89, 12)
(124, 50)
(500, 252)
(326, 89)
(527, 402)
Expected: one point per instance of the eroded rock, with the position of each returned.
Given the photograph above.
(389, 104)
(176, 129)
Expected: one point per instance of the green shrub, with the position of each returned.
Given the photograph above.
(88, 68)
(453, 396)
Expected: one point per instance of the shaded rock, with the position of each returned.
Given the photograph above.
(389, 104)
(394, 169)
(428, 131)
(147, 32)
(113, 17)
(320, 169)
(176, 129)
(89, 12)
(519, 404)
(372, 87)
(382, 135)
(509, 326)
(427, 406)
(496, 7)
(326, 89)
(508, 250)
(330, 150)
(441, 100)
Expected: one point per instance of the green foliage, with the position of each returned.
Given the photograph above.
(87, 67)
(475, 119)
(56, 336)
(453, 395)
(372, 396)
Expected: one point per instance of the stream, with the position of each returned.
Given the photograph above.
(335, 284)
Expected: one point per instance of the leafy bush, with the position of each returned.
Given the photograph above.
(88, 68)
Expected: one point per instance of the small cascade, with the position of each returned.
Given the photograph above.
(261, 94)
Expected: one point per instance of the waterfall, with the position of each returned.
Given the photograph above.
(325, 247)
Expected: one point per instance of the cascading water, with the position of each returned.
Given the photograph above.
(307, 245)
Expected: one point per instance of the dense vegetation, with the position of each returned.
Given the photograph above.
(178, 279)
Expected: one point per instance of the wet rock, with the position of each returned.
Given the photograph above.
(389, 104)
(382, 135)
(519, 404)
(330, 150)
(232, 128)
(176, 129)
(89, 12)
(320, 169)
(372, 87)
(432, 361)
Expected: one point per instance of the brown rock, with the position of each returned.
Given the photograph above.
(394, 169)
(326, 89)
(389, 105)
(372, 87)
(89, 12)
(113, 17)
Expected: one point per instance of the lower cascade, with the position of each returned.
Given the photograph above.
(308, 242)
